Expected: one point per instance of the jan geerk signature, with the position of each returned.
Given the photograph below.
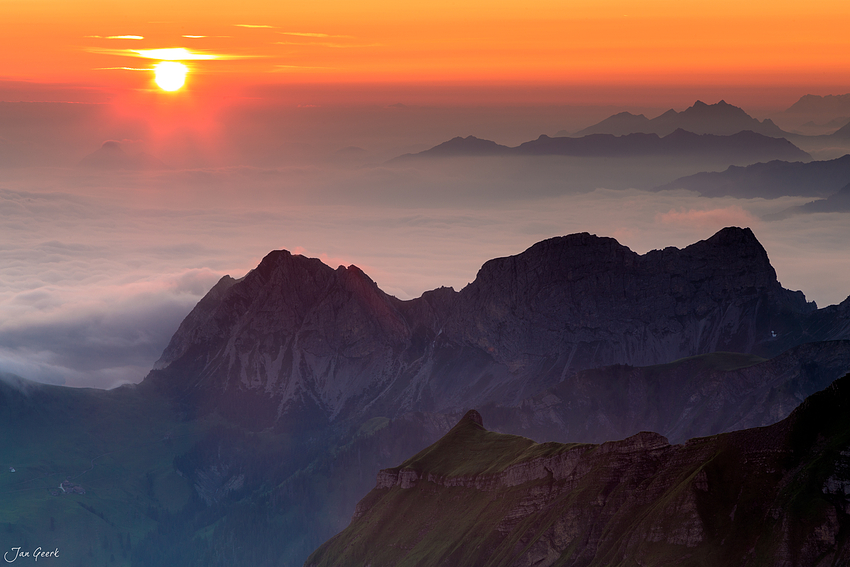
(38, 553)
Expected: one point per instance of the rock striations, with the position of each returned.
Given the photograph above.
(297, 340)
(769, 496)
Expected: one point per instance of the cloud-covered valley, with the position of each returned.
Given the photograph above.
(98, 269)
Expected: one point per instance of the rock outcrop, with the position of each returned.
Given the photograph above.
(297, 341)
(769, 496)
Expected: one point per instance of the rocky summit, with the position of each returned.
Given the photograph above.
(297, 341)
(768, 496)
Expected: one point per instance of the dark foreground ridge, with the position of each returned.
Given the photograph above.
(775, 496)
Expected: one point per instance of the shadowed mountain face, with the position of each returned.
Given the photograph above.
(770, 180)
(721, 119)
(741, 147)
(692, 397)
(769, 496)
(296, 341)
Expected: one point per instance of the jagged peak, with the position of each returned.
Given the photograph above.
(736, 236)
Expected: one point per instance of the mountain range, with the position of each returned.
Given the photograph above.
(284, 392)
(719, 119)
(298, 340)
(741, 147)
(770, 180)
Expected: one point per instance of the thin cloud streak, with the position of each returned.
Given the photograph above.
(313, 34)
(134, 37)
(326, 44)
(170, 54)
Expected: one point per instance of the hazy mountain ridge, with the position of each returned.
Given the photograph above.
(742, 146)
(770, 180)
(720, 119)
(776, 495)
(297, 338)
(816, 104)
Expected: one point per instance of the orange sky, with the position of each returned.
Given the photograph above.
(374, 41)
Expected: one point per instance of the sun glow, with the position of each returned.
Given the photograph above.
(170, 75)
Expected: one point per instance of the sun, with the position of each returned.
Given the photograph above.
(170, 75)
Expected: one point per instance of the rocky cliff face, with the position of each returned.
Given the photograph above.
(768, 496)
(296, 340)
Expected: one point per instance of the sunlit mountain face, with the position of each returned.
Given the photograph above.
(253, 253)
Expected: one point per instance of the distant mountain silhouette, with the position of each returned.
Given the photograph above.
(770, 180)
(835, 105)
(843, 132)
(837, 203)
(746, 144)
(741, 147)
(834, 123)
(111, 155)
(720, 119)
(469, 146)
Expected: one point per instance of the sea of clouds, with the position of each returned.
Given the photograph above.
(97, 269)
(98, 266)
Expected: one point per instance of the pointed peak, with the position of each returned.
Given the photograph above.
(472, 416)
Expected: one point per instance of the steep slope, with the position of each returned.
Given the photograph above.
(295, 340)
(720, 119)
(769, 496)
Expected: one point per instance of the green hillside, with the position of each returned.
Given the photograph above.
(776, 495)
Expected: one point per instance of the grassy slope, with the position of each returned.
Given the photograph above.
(764, 495)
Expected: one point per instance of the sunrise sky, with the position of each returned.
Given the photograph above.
(273, 125)
(95, 45)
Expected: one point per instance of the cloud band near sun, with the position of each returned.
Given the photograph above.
(170, 54)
